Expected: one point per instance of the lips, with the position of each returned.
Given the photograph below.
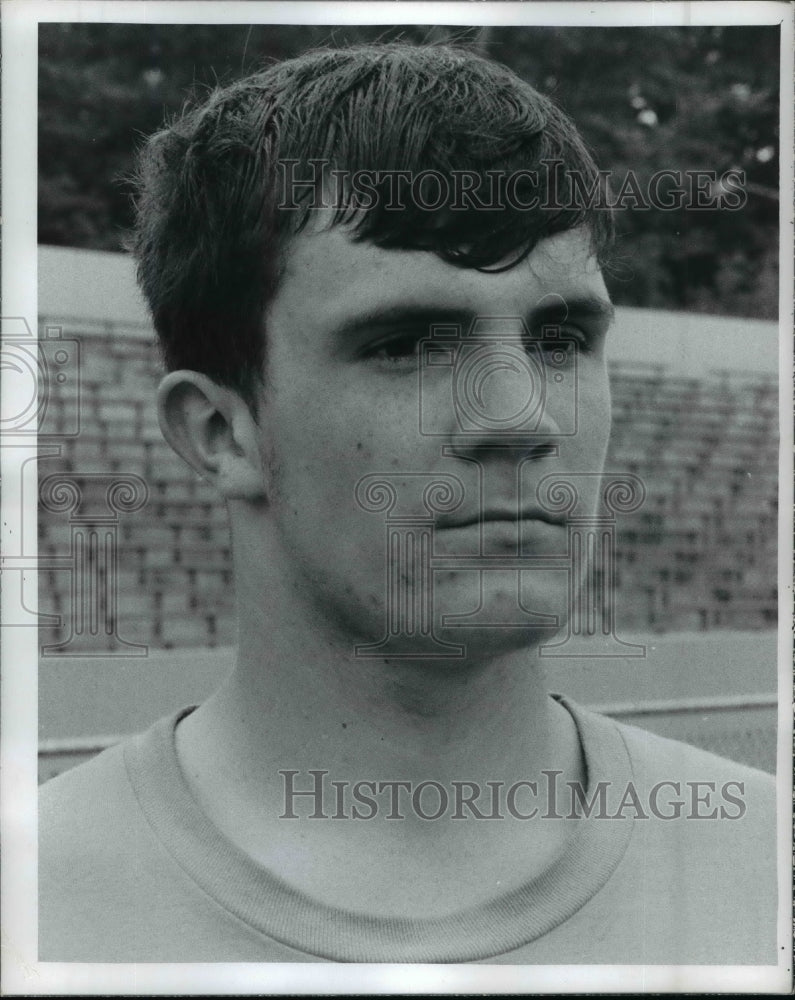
(496, 516)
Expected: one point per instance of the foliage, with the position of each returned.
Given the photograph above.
(646, 99)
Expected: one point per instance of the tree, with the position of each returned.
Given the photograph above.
(646, 99)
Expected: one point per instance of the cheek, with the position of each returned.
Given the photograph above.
(381, 435)
(321, 453)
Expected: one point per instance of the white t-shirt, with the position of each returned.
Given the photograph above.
(131, 870)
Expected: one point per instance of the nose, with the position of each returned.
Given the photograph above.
(503, 395)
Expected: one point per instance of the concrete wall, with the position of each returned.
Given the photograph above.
(91, 285)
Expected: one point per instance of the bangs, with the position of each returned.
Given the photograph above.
(437, 149)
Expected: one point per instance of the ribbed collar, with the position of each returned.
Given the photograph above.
(271, 907)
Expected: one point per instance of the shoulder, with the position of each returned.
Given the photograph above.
(99, 863)
(703, 777)
(91, 809)
(701, 864)
(122, 865)
(77, 807)
(84, 815)
(657, 763)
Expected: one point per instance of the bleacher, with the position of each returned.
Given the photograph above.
(174, 563)
(702, 551)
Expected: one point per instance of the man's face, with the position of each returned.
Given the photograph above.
(350, 393)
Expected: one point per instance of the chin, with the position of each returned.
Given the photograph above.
(475, 617)
(499, 597)
(493, 618)
(490, 642)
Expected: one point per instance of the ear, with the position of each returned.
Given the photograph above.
(213, 430)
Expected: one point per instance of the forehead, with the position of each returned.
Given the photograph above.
(328, 280)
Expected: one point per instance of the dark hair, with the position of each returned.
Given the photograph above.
(210, 235)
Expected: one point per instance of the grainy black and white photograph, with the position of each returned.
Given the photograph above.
(404, 421)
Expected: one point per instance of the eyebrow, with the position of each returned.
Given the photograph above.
(393, 316)
(586, 306)
(581, 306)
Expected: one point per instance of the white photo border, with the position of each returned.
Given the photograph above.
(22, 973)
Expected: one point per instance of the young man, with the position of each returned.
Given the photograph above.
(385, 776)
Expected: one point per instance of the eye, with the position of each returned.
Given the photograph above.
(397, 349)
(560, 346)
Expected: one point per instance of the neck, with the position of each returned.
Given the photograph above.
(300, 694)
(300, 700)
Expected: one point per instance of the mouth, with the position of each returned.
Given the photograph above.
(502, 517)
